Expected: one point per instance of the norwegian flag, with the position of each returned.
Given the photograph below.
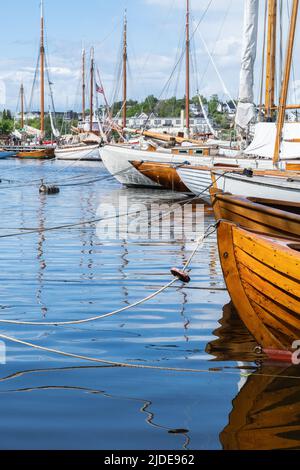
(99, 89)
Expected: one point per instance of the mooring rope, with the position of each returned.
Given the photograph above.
(103, 361)
(210, 230)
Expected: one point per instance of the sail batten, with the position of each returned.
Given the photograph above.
(246, 109)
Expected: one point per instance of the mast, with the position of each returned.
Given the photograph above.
(187, 92)
(42, 70)
(271, 59)
(92, 90)
(125, 72)
(83, 85)
(286, 80)
(22, 106)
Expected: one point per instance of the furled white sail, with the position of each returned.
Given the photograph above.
(55, 131)
(246, 109)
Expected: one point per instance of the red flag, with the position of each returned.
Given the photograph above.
(99, 89)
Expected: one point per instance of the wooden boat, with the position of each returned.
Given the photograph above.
(262, 215)
(279, 185)
(78, 152)
(262, 274)
(6, 154)
(234, 342)
(42, 153)
(164, 174)
(265, 413)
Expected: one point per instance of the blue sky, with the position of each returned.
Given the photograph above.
(155, 27)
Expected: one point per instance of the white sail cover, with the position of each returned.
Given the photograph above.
(32, 131)
(17, 134)
(263, 144)
(246, 109)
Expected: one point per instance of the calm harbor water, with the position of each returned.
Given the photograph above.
(53, 402)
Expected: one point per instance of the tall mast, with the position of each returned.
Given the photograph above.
(187, 92)
(271, 59)
(22, 106)
(42, 71)
(125, 71)
(83, 85)
(92, 90)
(286, 80)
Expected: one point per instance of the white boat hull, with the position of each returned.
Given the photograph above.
(117, 161)
(197, 181)
(278, 188)
(87, 153)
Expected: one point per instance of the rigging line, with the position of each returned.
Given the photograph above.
(210, 230)
(183, 52)
(226, 91)
(50, 88)
(34, 83)
(263, 61)
(217, 40)
(160, 31)
(118, 23)
(293, 63)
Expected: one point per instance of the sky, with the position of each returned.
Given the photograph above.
(155, 39)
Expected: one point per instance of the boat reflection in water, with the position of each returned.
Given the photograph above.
(266, 411)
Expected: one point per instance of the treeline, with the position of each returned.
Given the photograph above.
(6, 122)
(162, 108)
(170, 107)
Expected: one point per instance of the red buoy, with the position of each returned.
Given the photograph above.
(182, 275)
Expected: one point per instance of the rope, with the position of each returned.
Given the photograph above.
(131, 366)
(180, 58)
(104, 361)
(31, 182)
(236, 371)
(92, 221)
(211, 229)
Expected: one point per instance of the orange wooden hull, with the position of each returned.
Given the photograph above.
(234, 342)
(261, 215)
(262, 275)
(37, 153)
(163, 174)
(265, 413)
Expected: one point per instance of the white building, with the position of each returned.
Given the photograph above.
(168, 124)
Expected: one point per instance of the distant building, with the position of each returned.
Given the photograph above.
(168, 124)
(227, 108)
(66, 115)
